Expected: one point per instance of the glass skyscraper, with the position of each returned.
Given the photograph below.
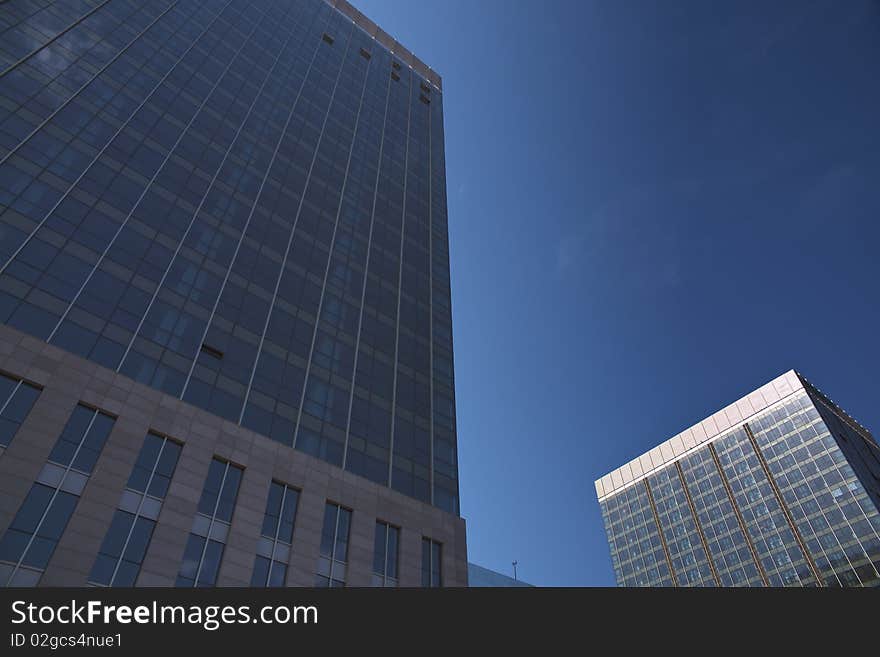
(781, 488)
(240, 205)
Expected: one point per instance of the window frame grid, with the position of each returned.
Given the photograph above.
(332, 558)
(384, 574)
(275, 539)
(227, 465)
(431, 543)
(12, 394)
(56, 489)
(165, 439)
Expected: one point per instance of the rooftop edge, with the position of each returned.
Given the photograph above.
(729, 417)
(386, 40)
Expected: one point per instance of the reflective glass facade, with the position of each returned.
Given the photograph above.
(241, 204)
(786, 498)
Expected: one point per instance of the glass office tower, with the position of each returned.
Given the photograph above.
(781, 488)
(240, 206)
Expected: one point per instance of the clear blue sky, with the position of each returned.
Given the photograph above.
(654, 208)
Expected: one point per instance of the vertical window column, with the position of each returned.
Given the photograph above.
(125, 545)
(207, 539)
(385, 555)
(28, 544)
(334, 546)
(16, 399)
(273, 549)
(432, 568)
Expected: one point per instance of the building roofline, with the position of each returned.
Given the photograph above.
(854, 424)
(721, 422)
(386, 40)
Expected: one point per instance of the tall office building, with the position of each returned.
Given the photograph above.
(226, 341)
(781, 488)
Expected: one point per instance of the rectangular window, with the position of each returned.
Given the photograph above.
(16, 399)
(385, 554)
(28, 544)
(432, 553)
(334, 546)
(122, 552)
(207, 539)
(273, 549)
(212, 351)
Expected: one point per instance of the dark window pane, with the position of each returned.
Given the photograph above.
(149, 452)
(39, 553)
(63, 452)
(391, 571)
(8, 429)
(168, 459)
(273, 502)
(426, 562)
(379, 548)
(138, 479)
(7, 385)
(261, 572)
(101, 428)
(278, 575)
(85, 459)
(229, 493)
(127, 573)
(103, 569)
(159, 486)
(211, 564)
(20, 404)
(59, 513)
(341, 553)
(288, 516)
(192, 555)
(117, 534)
(139, 540)
(329, 530)
(13, 544)
(32, 508)
(212, 487)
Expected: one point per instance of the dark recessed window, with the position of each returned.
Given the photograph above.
(396, 65)
(333, 559)
(424, 99)
(425, 87)
(16, 400)
(365, 53)
(385, 554)
(273, 549)
(207, 539)
(432, 574)
(327, 38)
(30, 540)
(211, 351)
(395, 76)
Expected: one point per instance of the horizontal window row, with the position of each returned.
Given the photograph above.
(39, 525)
